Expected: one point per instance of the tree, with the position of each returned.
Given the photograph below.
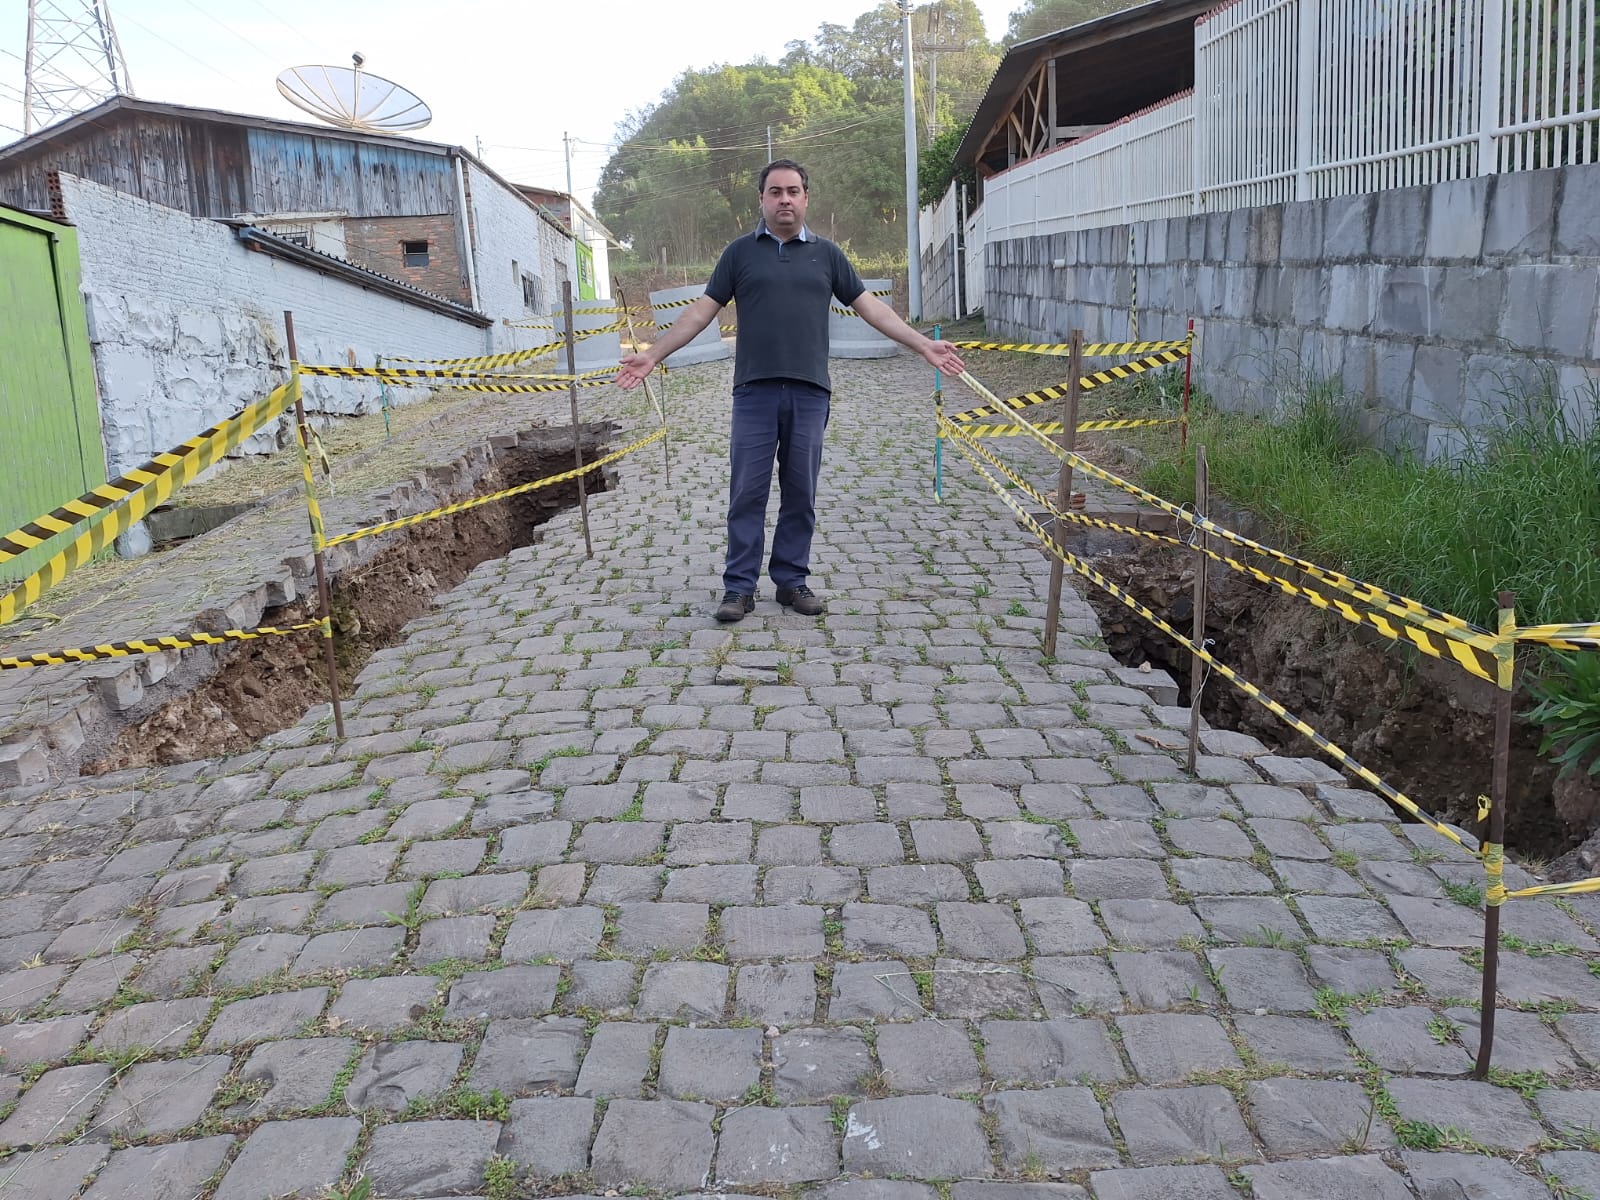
(701, 148)
(1039, 17)
(683, 177)
(937, 167)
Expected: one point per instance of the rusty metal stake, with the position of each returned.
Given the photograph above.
(1197, 672)
(314, 513)
(1496, 833)
(1188, 368)
(1069, 440)
(577, 444)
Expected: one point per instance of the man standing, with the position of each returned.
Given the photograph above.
(783, 277)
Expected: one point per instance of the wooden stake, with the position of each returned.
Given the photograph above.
(1496, 835)
(324, 594)
(1197, 675)
(572, 388)
(1068, 440)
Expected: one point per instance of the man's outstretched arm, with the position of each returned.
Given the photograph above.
(887, 322)
(636, 367)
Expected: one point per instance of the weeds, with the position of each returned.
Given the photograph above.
(1514, 509)
(1469, 893)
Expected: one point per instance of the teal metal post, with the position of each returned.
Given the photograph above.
(383, 395)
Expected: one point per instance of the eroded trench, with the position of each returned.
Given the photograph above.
(1423, 726)
(261, 687)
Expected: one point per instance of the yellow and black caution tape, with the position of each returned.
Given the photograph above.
(155, 645)
(124, 501)
(484, 362)
(142, 489)
(1092, 350)
(402, 374)
(1453, 628)
(462, 381)
(1077, 565)
(1055, 426)
(1059, 390)
(850, 312)
(508, 389)
(596, 373)
(678, 303)
(1475, 661)
(1562, 637)
(476, 501)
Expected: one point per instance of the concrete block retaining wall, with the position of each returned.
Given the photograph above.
(1426, 303)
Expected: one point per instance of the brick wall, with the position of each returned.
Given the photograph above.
(378, 243)
(1428, 303)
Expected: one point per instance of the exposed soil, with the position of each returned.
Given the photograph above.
(1423, 726)
(268, 685)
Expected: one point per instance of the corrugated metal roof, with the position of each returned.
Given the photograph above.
(1116, 64)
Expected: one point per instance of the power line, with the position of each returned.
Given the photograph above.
(193, 58)
(215, 20)
(294, 29)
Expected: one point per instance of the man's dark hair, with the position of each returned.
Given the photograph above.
(783, 164)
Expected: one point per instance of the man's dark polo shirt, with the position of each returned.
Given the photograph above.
(783, 289)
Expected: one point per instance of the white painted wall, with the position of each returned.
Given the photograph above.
(187, 324)
(506, 229)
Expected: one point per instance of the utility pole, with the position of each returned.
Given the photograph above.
(566, 145)
(769, 143)
(933, 47)
(913, 214)
(73, 61)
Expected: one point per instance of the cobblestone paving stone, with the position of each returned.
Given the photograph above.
(601, 896)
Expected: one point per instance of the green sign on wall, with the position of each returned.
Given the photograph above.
(586, 287)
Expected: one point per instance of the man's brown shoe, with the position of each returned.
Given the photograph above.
(734, 606)
(802, 599)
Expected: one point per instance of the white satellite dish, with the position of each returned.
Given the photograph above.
(352, 99)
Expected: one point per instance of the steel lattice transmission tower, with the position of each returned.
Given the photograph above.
(74, 60)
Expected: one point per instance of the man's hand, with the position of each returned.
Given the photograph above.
(634, 370)
(943, 356)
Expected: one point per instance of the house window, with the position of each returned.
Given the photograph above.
(300, 235)
(416, 253)
(532, 297)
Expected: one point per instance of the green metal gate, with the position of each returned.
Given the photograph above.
(50, 447)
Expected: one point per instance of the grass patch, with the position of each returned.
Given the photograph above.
(1516, 510)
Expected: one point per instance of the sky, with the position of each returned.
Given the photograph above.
(509, 77)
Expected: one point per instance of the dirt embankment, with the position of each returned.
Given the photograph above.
(1424, 726)
(268, 685)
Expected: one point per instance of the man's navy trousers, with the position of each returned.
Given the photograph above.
(782, 421)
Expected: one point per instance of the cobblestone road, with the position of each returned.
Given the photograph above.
(600, 896)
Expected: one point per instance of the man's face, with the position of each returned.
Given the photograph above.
(783, 203)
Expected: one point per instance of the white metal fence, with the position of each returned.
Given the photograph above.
(1138, 169)
(1303, 99)
(977, 238)
(940, 222)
